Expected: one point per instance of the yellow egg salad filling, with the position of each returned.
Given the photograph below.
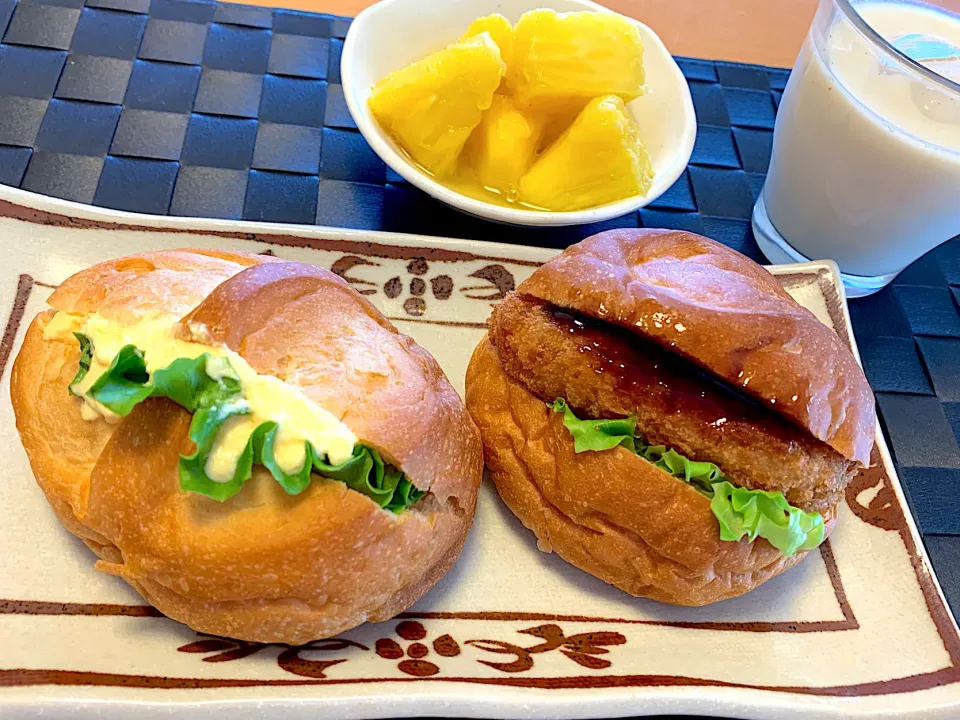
(299, 419)
(241, 417)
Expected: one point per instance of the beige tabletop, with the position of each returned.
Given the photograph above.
(767, 32)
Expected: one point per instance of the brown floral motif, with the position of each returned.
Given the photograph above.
(343, 266)
(291, 659)
(498, 282)
(414, 649)
(441, 286)
(414, 632)
(225, 649)
(501, 282)
(582, 648)
(882, 510)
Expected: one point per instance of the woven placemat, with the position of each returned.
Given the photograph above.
(212, 110)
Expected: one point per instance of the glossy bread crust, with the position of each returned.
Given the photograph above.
(719, 309)
(306, 326)
(263, 565)
(702, 346)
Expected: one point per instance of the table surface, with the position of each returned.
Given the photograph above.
(763, 32)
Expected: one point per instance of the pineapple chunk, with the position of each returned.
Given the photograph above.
(598, 160)
(555, 124)
(503, 146)
(501, 32)
(562, 61)
(431, 107)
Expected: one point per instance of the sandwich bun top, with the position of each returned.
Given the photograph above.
(308, 327)
(168, 281)
(725, 313)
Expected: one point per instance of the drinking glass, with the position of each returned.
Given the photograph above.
(865, 167)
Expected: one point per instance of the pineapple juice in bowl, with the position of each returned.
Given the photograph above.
(394, 34)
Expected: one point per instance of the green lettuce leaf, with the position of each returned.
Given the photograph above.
(213, 401)
(596, 434)
(740, 512)
(405, 495)
(124, 384)
(365, 472)
(758, 513)
(204, 427)
(263, 439)
(86, 359)
(185, 381)
(700, 474)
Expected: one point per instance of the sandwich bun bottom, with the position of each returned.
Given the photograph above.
(262, 566)
(611, 514)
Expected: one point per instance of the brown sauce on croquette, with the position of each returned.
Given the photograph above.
(642, 365)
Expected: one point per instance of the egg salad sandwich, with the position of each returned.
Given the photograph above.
(247, 442)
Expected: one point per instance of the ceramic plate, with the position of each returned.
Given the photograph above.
(859, 627)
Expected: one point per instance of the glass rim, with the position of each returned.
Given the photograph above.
(864, 28)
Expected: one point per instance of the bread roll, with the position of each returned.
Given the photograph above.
(712, 359)
(263, 565)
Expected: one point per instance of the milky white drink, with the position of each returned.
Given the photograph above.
(866, 157)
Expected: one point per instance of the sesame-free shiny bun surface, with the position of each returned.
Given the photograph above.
(727, 314)
(659, 326)
(306, 326)
(262, 565)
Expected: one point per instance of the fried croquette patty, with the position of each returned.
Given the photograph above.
(604, 372)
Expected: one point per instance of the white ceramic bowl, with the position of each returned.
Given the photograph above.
(394, 33)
